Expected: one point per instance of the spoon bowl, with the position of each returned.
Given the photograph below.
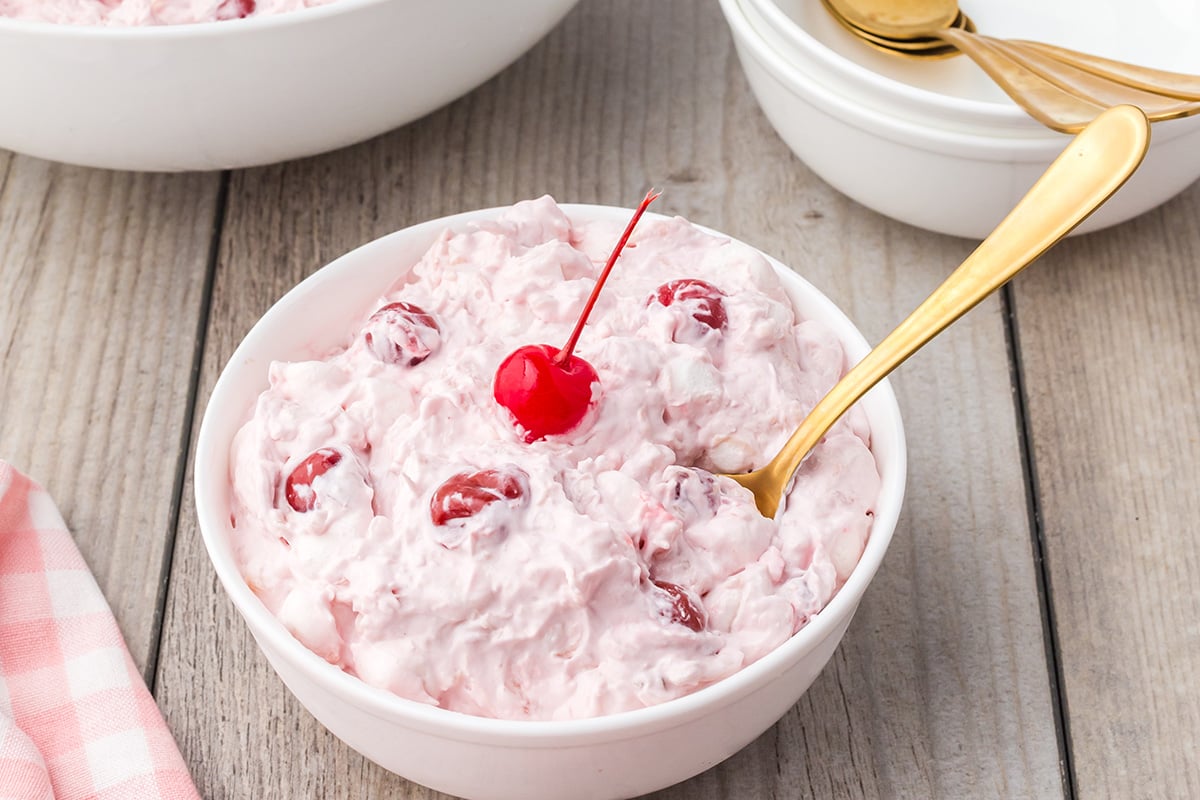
(1094, 165)
(897, 19)
(920, 47)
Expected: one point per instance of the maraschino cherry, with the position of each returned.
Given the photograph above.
(468, 493)
(699, 298)
(682, 610)
(549, 390)
(235, 9)
(402, 333)
(298, 487)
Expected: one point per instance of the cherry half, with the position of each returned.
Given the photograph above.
(298, 487)
(699, 298)
(548, 390)
(402, 333)
(682, 609)
(468, 493)
(235, 9)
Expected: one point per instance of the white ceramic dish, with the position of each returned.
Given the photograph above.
(951, 93)
(616, 756)
(956, 92)
(935, 177)
(253, 91)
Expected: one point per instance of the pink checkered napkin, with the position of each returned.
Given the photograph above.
(76, 720)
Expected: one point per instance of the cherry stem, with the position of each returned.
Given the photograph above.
(565, 354)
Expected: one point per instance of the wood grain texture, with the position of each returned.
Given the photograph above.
(101, 286)
(1110, 346)
(941, 688)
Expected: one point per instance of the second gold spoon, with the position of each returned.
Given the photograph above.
(1093, 166)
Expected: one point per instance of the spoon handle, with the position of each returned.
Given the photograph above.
(1095, 88)
(1043, 100)
(1176, 84)
(1093, 166)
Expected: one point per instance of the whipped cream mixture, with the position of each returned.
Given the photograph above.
(391, 514)
(146, 12)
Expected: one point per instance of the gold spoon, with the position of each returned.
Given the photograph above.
(1091, 87)
(1093, 166)
(1042, 99)
(917, 46)
(898, 19)
(1057, 93)
(1060, 88)
(1175, 84)
(922, 47)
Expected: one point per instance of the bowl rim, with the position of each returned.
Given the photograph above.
(1003, 114)
(211, 481)
(878, 123)
(187, 30)
(871, 120)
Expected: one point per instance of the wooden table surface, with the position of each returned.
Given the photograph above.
(1035, 628)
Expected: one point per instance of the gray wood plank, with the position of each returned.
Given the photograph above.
(101, 278)
(1109, 336)
(941, 687)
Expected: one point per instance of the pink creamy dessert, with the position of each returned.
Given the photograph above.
(145, 12)
(391, 514)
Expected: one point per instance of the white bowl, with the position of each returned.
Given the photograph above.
(950, 93)
(615, 756)
(253, 91)
(938, 177)
(956, 92)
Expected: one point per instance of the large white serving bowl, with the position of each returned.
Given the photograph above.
(954, 171)
(615, 756)
(252, 91)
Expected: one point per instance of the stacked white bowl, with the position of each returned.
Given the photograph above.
(936, 143)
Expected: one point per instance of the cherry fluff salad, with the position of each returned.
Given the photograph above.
(406, 526)
(121, 13)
